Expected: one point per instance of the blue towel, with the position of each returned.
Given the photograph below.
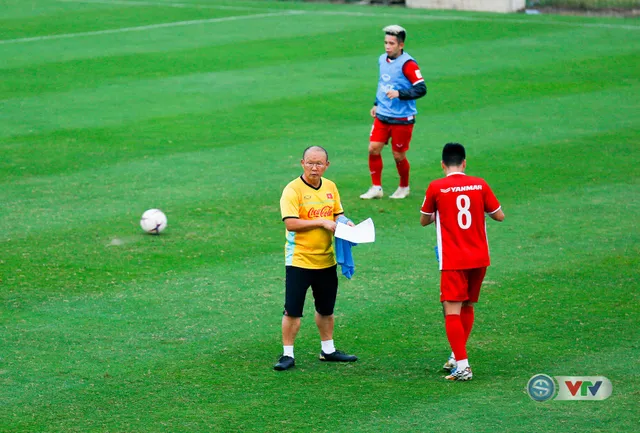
(343, 252)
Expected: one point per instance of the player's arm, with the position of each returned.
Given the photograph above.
(374, 108)
(497, 215)
(492, 206)
(426, 219)
(428, 208)
(418, 88)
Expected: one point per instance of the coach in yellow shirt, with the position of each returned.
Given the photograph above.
(310, 206)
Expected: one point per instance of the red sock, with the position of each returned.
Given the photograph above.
(466, 317)
(375, 167)
(403, 170)
(455, 335)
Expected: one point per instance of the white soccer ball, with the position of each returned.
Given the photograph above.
(153, 221)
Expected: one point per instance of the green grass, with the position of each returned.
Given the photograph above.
(207, 122)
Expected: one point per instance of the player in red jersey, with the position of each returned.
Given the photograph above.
(400, 83)
(457, 204)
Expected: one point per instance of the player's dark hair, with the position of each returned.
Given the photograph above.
(320, 148)
(453, 154)
(395, 30)
(402, 35)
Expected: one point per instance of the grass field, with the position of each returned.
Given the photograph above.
(202, 108)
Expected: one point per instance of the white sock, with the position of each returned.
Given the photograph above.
(453, 355)
(287, 351)
(328, 347)
(462, 364)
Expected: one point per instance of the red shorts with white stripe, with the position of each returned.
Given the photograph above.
(400, 134)
(462, 285)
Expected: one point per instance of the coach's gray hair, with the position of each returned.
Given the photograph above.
(320, 148)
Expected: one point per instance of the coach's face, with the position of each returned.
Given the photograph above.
(314, 165)
(392, 47)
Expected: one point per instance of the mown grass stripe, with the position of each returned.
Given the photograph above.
(145, 28)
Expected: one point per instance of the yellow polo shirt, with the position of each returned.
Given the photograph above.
(311, 249)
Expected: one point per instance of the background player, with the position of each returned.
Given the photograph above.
(457, 204)
(399, 85)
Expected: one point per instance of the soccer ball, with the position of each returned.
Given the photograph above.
(153, 221)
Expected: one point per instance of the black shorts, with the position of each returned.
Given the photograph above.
(324, 285)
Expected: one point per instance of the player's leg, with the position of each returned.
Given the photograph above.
(454, 329)
(462, 371)
(451, 364)
(325, 291)
(400, 141)
(453, 289)
(467, 318)
(297, 281)
(380, 133)
(475, 278)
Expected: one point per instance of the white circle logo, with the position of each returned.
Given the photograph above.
(541, 387)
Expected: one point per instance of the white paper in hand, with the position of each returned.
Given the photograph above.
(363, 233)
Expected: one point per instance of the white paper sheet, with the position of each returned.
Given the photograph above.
(363, 233)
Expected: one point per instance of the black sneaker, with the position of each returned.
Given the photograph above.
(284, 363)
(337, 356)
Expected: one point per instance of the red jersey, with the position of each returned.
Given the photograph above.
(459, 203)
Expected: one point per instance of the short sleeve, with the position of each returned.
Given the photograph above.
(289, 204)
(429, 202)
(412, 72)
(491, 204)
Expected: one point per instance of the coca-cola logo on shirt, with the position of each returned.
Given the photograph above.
(325, 211)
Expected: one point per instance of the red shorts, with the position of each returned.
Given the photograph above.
(460, 286)
(400, 134)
